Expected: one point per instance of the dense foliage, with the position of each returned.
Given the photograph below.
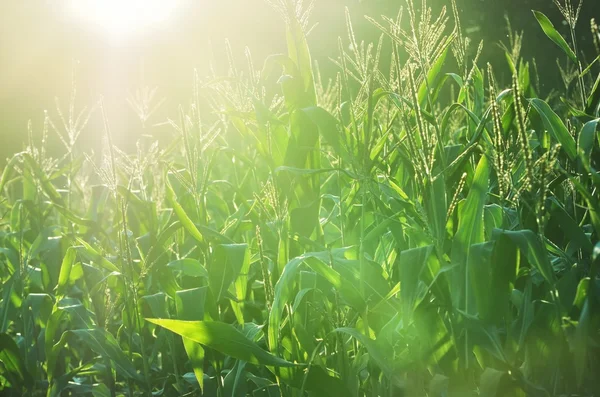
(398, 230)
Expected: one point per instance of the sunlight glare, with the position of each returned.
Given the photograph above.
(123, 19)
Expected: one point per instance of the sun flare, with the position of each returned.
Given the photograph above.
(123, 19)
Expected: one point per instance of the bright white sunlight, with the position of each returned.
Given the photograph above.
(299, 198)
(122, 19)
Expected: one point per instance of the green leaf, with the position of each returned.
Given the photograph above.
(285, 286)
(52, 326)
(299, 53)
(190, 267)
(185, 220)
(470, 231)
(381, 358)
(241, 287)
(570, 227)
(195, 353)
(104, 344)
(592, 202)
(493, 268)
(190, 304)
(316, 380)
(223, 338)
(157, 304)
(591, 106)
(436, 204)
(91, 254)
(40, 308)
(9, 169)
(433, 73)
(65, 271)
(45, 183)
(157, 249)
(12, 360)
(226, 265)
(235, 381)
(553, 35)
(491, 381)
(412, 264)
(330, 129)
(190, 307)
(283, 295)
(586, 142)
(555, 127)
(536, 254)
(582, 334)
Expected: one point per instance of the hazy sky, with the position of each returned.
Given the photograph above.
(39, 41)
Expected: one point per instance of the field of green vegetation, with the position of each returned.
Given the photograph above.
(409, 227)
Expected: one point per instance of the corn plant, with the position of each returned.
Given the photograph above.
(395, 229)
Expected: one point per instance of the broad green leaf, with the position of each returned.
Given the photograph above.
(593, 100)
(299, 53)
(592, 202)
(195, 353)
(157, 248)
(571, 229)
(316, 380)
(434, 341)
(91, 254)
(436, 204)
(226, 264)
(13, 362)
(381, 358)
(52, 326)
(433, 73)
(586, 141)
(491, 382)
(582, 292)
(530, 245)
(493, 268)
(283, 295)
(189, 267)
(65, 271)
(330, 129)
(241, 282)
(185, 220)
(286, 285)
(78, 220)
(40, 308)
(45, 183)
(224, 338)
(582, 335)
(555, 126)
(470, 231)
(104, 344)
(157, 304)
(552, 33)
(190, 304)
(494, 219)
(9, 169)
(190, 307)
(412, 263)
(267, 391)
(100, 390)
(235, 381)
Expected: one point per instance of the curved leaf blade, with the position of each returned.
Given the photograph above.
(223, 338)
(552, 33)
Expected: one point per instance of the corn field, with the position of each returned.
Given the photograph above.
(411, 226)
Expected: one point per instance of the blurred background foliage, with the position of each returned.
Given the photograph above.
(40, 41)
